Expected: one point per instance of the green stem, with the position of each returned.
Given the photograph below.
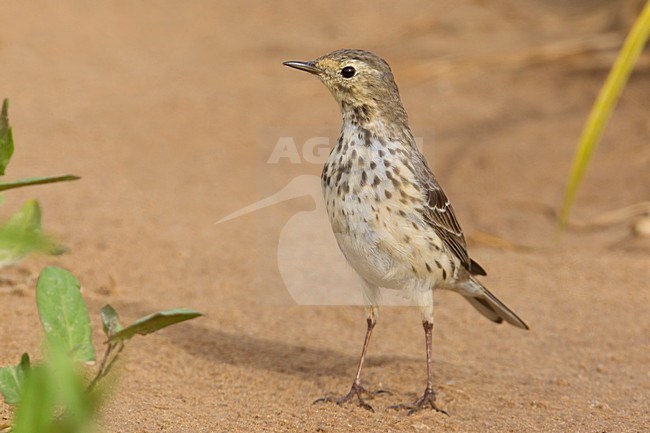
(604, 105)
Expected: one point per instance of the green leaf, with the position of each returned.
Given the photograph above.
(25, 363)
(11, 383)
(154, 322)
(15, 243)
(110, 320)
(70, 389)
(604, 106)
(54, 398)
(37, 406)
(64, 314)
(6, 138)
(28, 217)
(22, 235)
(36, 181)
(12, 378)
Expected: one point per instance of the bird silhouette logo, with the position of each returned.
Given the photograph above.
(311, 266)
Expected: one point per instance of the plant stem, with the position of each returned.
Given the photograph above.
(604, 105)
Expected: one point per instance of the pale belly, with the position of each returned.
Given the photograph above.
(373, 210)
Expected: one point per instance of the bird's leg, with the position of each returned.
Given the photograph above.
(356, 389)
(429, 397)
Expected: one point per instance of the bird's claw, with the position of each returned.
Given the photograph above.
(355, 391)
(427, 399)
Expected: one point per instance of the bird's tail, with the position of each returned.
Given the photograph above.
(488, 304)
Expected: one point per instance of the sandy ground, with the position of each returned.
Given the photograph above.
(169, 111)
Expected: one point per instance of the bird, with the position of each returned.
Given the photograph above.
(390, 217)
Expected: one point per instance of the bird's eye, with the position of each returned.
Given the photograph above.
(348, 72)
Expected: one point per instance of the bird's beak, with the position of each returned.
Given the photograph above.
(304, 66)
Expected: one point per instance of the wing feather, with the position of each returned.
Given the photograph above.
(439, 213)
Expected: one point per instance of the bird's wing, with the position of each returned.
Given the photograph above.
(439, 213)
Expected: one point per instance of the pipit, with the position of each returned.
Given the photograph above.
(391, 219)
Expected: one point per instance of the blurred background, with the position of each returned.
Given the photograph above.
(169, 112)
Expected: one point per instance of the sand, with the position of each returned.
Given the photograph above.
(169, 113)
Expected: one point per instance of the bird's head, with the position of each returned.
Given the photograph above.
(360, 81)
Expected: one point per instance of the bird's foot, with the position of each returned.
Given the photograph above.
(427, 399)
(355, 391)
